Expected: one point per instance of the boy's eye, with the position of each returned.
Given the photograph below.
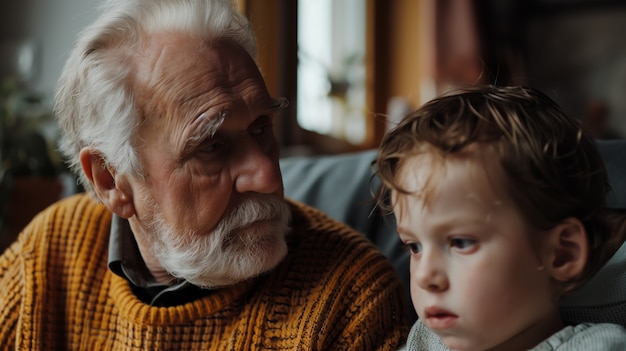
(462, 243)
(415, 248)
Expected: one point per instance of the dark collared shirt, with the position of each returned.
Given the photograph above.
(125, 260)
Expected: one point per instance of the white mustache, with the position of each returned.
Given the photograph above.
(253, 209)
(234, 250)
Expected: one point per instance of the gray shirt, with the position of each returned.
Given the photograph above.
(586, 336)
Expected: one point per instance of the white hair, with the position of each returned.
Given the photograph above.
(94, 101)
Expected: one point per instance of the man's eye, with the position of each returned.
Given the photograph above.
(462, 243)
(261, 129)
(415, 248)
(211, 147)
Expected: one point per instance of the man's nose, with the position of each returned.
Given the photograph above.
(430, 273)
(256, 168)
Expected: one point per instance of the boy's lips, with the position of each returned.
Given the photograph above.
(438, 318)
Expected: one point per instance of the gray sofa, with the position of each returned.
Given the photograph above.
(342, 186)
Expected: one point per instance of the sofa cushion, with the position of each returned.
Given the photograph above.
(342, 186)
(614, 156)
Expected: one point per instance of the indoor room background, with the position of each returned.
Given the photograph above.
(350, 68)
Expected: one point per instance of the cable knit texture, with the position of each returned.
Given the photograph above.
(334, 291)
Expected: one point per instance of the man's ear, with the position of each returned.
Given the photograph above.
(568, 250)
(114, 194)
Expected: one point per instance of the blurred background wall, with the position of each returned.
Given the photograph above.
(35, 36)
(415, 49)
(48, 28)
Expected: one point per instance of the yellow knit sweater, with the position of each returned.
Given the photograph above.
(334, 291)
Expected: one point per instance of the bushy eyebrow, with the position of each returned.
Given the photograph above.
(203, 127)
(206, 125)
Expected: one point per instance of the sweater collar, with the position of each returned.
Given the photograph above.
(125, 260)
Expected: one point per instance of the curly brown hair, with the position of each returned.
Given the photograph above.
(553, 167)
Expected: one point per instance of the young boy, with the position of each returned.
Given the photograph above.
(500, 198)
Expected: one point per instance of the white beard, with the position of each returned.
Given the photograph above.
(247, 242)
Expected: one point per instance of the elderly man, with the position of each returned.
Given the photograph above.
(184, 239)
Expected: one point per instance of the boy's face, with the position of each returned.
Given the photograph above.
(477, 279)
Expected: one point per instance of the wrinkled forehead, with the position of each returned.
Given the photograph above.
(183, 71)
(167, 58)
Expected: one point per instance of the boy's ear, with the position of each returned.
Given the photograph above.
(568, 250)
(114, 192)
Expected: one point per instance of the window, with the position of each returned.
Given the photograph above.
(331, 98)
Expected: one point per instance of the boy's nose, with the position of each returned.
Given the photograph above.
(430, 274)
